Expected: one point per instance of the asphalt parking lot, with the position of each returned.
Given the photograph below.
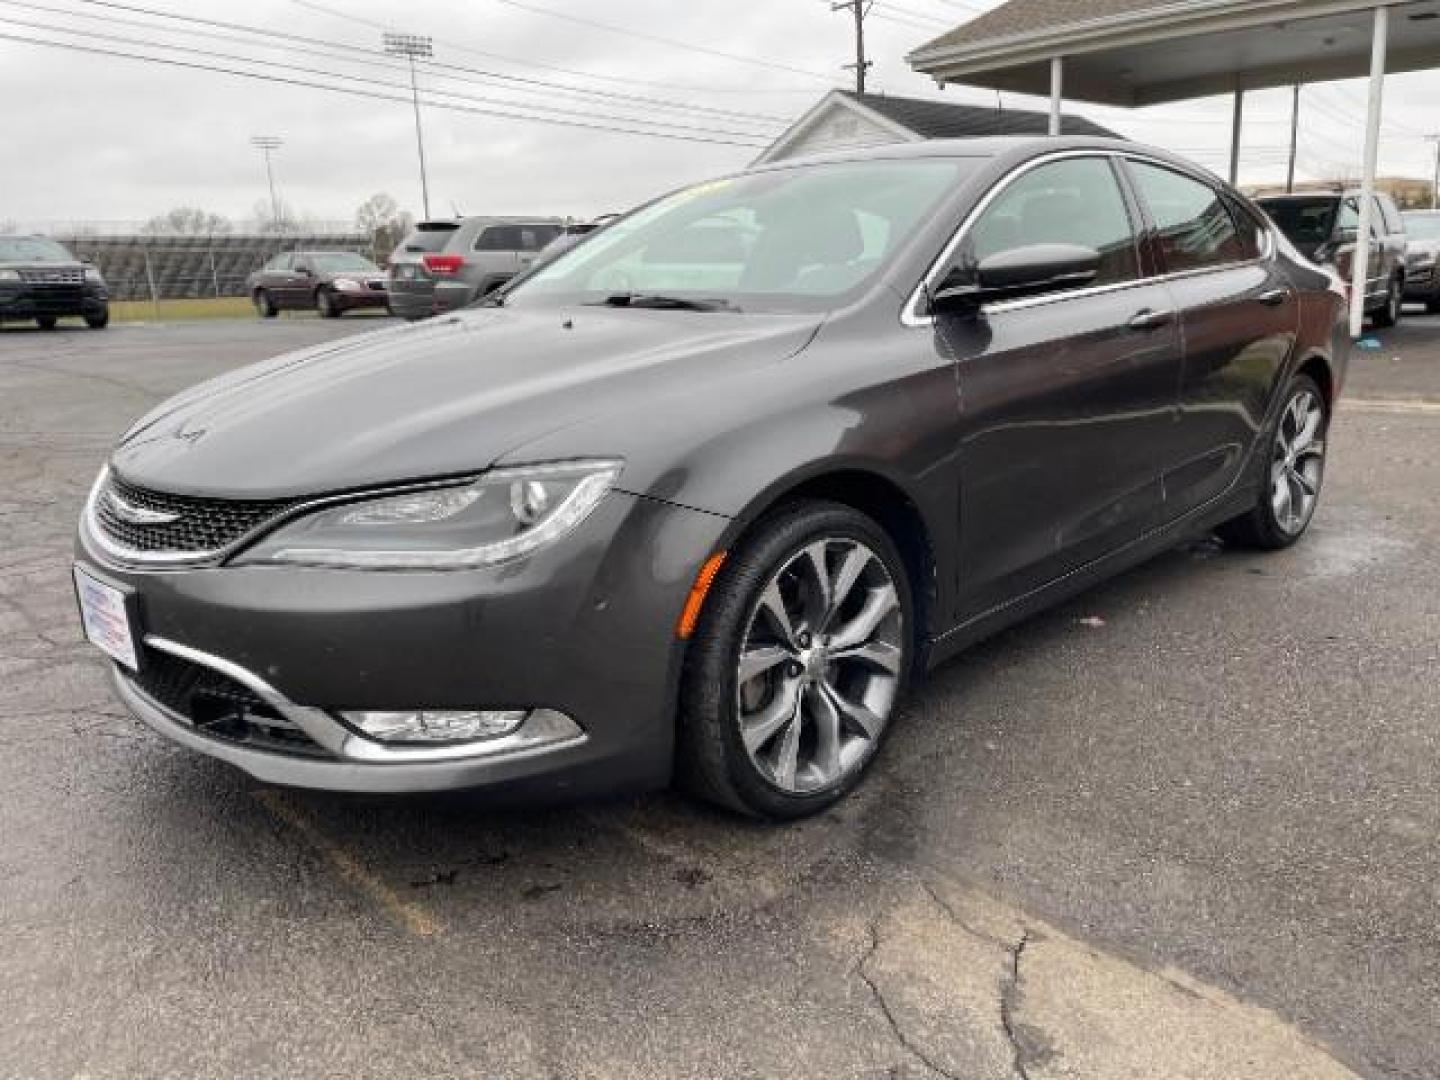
(1184, 826)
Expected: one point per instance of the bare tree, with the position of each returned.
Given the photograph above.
(266, 221)
(380, 218)
(187, 221)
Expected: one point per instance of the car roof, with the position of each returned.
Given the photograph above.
(482, 219)
(989, 147)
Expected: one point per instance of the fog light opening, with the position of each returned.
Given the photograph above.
(430, 726)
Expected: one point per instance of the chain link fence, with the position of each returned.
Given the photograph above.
(186, 267)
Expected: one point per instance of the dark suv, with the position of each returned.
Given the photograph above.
(1324, 227)
(40, 280)
(444, 265)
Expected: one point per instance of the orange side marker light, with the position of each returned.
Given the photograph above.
(696, 600)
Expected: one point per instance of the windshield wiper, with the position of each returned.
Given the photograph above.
(669, 303)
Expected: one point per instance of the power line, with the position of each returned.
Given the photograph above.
(475, 98)
(370, 94)
(674, 44)
(628, 80)
(371, 58)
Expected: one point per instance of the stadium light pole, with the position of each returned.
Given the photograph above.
(266, 144)
(413, 47)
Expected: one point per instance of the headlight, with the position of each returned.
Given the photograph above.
(9, 275)
(504, 515)
(346, 284)
(93, 275)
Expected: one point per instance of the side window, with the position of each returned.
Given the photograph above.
(1252, 233)
(1350, 218)
(1196, 230)
(1074, 201)
(515, 237)
(1390, 215)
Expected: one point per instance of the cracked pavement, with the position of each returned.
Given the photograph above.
(1182, 827)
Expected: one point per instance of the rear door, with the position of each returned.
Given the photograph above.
(1239, 319)
(1068, 399)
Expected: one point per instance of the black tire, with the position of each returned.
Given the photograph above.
(1432, 305)
(713, 763)
(47, 322)
(1259, 528)
(265, 304)
(325, 304)
(1389, 315)
(99, 321)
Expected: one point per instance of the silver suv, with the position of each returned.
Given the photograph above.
(443, 265)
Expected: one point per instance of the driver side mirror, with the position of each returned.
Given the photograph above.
(1011, 275)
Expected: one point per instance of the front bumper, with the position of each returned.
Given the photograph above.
(584, 629)
(357, 299)
(21, 300)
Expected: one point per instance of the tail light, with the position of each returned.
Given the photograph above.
(444, 265)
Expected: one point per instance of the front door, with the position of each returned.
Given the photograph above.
(1069, 399)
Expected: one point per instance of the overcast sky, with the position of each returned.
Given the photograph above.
(91, 137)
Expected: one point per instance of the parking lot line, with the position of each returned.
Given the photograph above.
(410, 916)
(1396, 407)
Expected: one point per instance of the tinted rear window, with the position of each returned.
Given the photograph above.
(430, 237)
(516, 237)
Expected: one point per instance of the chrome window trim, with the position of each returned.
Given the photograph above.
(911, 316)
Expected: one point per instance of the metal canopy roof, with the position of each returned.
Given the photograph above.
(1135, 53)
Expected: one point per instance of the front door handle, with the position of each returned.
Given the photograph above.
(1150, 319)
(1274, 298)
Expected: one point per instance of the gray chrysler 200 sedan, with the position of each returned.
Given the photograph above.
(697, 499)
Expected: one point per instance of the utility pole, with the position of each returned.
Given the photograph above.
(861, 65)
(1435, 191)
(411, 47)
(266, 144)
(1294, 141)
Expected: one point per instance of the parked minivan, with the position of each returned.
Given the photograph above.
(444, 265)
(1324, 225)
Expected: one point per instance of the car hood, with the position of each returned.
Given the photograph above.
(443, 398)
(1428, 248)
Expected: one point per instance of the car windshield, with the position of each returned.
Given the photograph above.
(1304, 221)
(1423, 226)
(32, 249)
(338, 262)
(791, 238)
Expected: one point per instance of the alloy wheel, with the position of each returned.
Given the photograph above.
(1298, 465)
(820, 666)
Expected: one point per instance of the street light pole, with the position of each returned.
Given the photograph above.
(1435, 191)
(412, 47)
(265, 144)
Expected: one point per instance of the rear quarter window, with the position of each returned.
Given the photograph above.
(430, 238)
(516, 237)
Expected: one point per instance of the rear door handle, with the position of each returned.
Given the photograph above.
(1274, 298)
(1150, 319)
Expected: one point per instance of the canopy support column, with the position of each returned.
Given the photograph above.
(1235, 128)
(1057, 93)
(1361, 270)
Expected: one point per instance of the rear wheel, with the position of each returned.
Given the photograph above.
(1389, 315)
(47, 322)
(800, 655)
(265, 304)
(1293, 464)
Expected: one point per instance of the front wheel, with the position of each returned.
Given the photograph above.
(1294, 472)
(99, 320)
(325, 304)
(47, 322)
(801, 653)
(265, 304)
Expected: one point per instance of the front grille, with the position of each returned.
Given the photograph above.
(53, 277)
(217, 705)
(200, 525)
(56, 299)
